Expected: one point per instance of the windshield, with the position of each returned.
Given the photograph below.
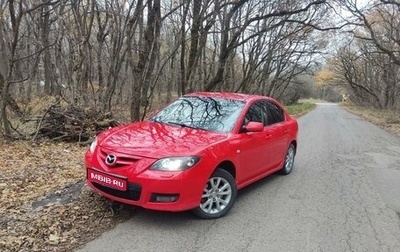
(211, 114)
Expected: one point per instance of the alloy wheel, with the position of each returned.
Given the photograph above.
(216, 195)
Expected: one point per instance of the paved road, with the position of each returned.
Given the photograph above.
(342, 196)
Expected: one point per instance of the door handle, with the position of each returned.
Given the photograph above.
(268, 136)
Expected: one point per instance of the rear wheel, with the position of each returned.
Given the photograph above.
(219, 195)
(289, 160)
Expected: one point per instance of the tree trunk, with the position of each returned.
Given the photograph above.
(148, 54)
(3, 106)
(45, 26)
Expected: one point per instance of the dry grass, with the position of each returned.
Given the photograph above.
(299, 109)
(386, 119)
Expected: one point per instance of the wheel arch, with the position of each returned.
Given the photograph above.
(294, 142)
(227, 166)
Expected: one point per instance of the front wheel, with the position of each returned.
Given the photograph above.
(219, 195)
(289, 160)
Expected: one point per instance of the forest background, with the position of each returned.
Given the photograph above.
(128, 57)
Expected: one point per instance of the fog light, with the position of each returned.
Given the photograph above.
(165, 198)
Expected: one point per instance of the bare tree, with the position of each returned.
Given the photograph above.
(16, 12)
(230, 41)
(370, 64)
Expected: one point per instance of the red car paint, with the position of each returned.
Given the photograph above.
(250, 156)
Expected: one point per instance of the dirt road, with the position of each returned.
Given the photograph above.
(343, 195)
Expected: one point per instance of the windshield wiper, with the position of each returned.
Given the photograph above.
(174, 123)
(155, 120)
(183, 125)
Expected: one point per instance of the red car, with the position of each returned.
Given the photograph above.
(194, 154)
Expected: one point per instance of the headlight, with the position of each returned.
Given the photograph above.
(175, 163)
(93, 145)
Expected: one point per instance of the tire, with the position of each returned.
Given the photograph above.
(218, 196)
(288, 162)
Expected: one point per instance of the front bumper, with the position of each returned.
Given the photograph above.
(149, 188)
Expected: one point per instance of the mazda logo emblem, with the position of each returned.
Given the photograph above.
(111, 159)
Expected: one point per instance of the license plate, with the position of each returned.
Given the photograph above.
(106, 180)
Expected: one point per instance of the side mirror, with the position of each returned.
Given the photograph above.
(254, 127)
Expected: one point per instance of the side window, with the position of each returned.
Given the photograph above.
(275, 113)
(256, 113)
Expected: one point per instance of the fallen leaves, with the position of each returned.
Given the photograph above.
(37, 170)
(44, 203)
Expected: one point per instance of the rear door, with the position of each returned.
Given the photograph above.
(278, 132)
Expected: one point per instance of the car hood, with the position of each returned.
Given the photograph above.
(156, 140)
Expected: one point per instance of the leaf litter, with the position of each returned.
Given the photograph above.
(44, 202)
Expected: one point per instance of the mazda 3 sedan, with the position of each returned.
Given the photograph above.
(194, 154)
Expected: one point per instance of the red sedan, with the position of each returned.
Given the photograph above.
(194, 154)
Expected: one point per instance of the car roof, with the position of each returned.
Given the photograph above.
(228, 95)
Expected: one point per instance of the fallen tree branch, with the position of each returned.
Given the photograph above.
(41, 120)
(72, 123)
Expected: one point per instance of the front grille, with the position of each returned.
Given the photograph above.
(122, 160)
(132, 193)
